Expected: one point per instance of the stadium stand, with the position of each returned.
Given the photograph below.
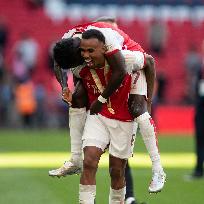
(140, 2)
(181, 32)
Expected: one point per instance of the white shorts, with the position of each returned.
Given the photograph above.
(103, 132)
(139, 83)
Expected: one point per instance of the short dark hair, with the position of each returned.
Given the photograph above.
(93, 33)
(106, 19)
(67, 54)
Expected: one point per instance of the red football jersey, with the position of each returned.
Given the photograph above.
(119, 99)
(115, 38)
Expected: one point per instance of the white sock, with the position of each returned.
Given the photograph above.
(117, 196)
(87, 194)
(77, 118)
(148, 132)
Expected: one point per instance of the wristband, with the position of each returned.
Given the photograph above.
(102, 99)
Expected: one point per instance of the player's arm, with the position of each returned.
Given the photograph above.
(60, 75)
(150, 74)
(118, 67)
(117, 64)
(79, 98)
(115, 59)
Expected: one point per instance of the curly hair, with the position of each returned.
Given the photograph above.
(67, 54)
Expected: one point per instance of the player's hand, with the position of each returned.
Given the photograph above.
(67, 95)
(95, 107)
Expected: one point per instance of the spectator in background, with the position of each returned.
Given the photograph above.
(40, 113)
(5, 93)
(2, 67)
(3, 34)
(161, 85)
(34, 4)
(199, 119)
(27, 49)
(158, 95)
(25, 102)
(157, 36)
(193, 64)
(19, 70)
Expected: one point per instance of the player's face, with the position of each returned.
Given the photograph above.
(93, 50)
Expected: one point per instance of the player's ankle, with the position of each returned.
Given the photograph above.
(157, 168)
(76, 159)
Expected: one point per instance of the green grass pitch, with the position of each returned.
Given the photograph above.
(26, 157)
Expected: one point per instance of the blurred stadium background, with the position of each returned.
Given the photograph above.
(171, 30)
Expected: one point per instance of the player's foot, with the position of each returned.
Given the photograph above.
(157, 182)
(130, 200)
(68, 168)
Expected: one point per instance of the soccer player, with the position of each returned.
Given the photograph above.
(113, 126)
(138, 107)
(129, 196)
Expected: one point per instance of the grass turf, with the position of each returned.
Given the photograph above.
(32, 185)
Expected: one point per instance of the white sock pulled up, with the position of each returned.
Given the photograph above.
(148, 132)
(87, 194)
(77, 118)
(117, 196)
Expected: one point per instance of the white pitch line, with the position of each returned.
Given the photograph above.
(56, 159)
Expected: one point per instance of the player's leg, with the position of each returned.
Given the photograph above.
(77, 118)
(87, 187)
(117, 174)
(199, 130)
(138, 108)
(95, 140)
(120, 150)
(147, 130)
(130, 198)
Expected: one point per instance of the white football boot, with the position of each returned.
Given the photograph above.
(157, 182)
(68, 168)
(130, 200)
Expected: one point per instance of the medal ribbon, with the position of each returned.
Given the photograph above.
(100, 86)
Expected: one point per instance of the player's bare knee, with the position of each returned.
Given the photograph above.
(90, 162)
